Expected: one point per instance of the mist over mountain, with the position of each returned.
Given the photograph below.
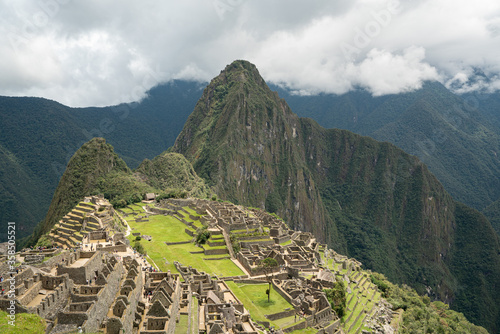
(457, 137)
(369, 199)
(38, 137)
(366, 198)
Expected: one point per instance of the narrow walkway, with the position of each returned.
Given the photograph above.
(236, 262)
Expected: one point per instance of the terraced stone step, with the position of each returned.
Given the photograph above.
(67, 230)
(70, 226)
(92, 226)
(87, 207)
(88, 204)
(63, 235)
(73, 216)
(73, 241)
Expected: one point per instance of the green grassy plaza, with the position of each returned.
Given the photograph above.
(254, 297)
(169, 229)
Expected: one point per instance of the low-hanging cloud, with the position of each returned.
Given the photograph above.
(102, 52)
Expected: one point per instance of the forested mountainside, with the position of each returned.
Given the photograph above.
(458, 138)
(39, 136)
(367, 198)
(95, 168)
(492, 212)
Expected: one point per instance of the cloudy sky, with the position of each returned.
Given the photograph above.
(101, 52)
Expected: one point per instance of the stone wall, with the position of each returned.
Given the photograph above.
(30, 294)
(77, 318)
(247, 244)
(105, 298)
(32, 258)
(176, 298)
(282, 292)
(65, 257)
(279, 315)
(300, 325)
(55, 301)
(116, 248)
(281, 239)
(216, 251)
(133, 298)
(80, 275)
(97, 235)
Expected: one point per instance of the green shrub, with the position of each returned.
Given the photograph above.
(45, 241)
(337, 298)
(202, 236)
(139, 248)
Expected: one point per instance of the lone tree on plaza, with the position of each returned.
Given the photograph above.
(267, 265)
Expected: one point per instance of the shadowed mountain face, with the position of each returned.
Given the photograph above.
(38, 137)
(458, 138)
(363, 197)
(95, 168)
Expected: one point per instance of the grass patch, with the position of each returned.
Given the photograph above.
(308, 330)
(182, 326)
(169, 229)
(191, 211)
(24, 324)
(286, 243)
(254, 297)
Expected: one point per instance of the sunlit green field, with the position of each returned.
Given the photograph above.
(24, 324)
(164, 229)
(254, 297)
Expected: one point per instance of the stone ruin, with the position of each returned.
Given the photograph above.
(101, 291)
(92, 219)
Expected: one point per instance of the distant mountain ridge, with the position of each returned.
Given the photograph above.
(39, 136)
(457, 140)
(370, 199)
(95, 169)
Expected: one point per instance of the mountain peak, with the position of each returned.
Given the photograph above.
(240, 71)
(243, 68)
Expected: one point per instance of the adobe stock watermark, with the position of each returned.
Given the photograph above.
(222, 7)
(11, 261)
(363, 36)
(46, 11)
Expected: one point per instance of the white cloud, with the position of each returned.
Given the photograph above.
(101, 52)
(384, 73)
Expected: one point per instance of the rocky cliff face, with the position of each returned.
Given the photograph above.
(366, 198)
(247, 143)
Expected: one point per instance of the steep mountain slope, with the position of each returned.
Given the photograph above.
(20, 192)
(172, 172)
(492, 212)
(246, 149)
(96, 169)
(364, 197)
(459, 143)
(39, 136)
